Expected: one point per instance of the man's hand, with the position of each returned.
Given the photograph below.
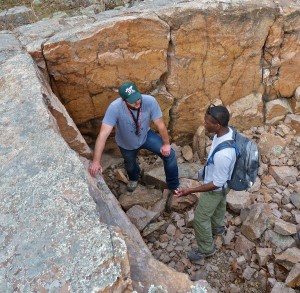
(94, 168)
(165, 150)
(182, 192)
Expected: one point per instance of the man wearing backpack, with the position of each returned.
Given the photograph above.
(211, 207)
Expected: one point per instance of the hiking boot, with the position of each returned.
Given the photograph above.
(195, 255)
(220, 231)
(131, 186)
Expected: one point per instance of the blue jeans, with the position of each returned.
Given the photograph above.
(153, 143)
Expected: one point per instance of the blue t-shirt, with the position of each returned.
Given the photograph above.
(118, 116)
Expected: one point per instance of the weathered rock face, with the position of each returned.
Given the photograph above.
(241, 54)
(61, 230)
(81, 84)
(16, 16)
(51, 236)
(187, 54)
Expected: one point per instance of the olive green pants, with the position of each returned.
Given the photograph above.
(209, 214)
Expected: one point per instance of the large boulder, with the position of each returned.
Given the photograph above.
(51, 236)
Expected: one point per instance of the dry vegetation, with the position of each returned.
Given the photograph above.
(45, 8)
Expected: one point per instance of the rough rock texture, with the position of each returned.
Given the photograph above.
(51, 236)
(256, 222)
(242, 53)
(15, 17)
(260, 249)
(146, 272)
(67, 127)
(81, 85)
(60, 232)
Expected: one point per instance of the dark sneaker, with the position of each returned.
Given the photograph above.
(195, 255)
(131, 186)
(218, 231)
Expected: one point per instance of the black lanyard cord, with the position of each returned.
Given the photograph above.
(137, 120)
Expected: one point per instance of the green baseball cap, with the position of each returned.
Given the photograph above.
(129, 92)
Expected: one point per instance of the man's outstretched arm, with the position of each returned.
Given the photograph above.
(201, 188)
(95, 165)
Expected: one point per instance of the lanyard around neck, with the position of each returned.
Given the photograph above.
(137, 120)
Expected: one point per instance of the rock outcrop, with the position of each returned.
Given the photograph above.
(59, 231)
(189, 54)
(51, 236)
(62, 229)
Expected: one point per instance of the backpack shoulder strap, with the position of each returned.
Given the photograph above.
(223, 145)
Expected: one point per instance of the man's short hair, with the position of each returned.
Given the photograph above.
(219, 113)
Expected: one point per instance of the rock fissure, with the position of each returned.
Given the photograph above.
(203, 87)
(230, 76)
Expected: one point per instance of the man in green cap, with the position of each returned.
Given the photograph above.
(131, 115)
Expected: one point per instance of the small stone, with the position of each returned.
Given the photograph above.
(199, 275)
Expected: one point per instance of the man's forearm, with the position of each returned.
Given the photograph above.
(204, 187)
(164, 135)
(100, 142)
(99, 147)
(201, 188)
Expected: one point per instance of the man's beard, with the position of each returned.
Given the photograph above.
(133, 108)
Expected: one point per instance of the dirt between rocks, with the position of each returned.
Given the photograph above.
(171, 242)
(225, 271)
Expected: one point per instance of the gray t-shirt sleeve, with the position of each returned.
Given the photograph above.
(111, 115)
(156, 112)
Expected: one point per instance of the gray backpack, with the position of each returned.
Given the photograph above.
(247, 160)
